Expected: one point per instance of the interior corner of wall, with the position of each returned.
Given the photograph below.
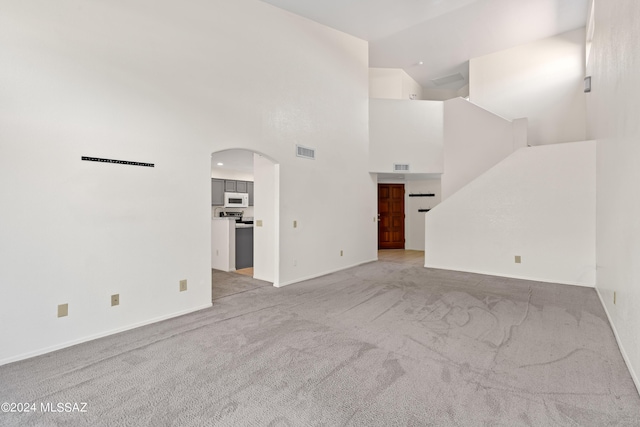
(463, 92)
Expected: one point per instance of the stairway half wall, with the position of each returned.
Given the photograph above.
(537, 204)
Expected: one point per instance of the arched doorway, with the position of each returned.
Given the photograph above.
(245, 171)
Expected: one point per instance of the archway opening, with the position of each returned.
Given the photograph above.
(245, 214)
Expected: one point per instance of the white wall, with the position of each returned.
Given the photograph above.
(474, 141)
(414, 224)
(405, 132)
(223, 239)
(613, 111)
(265, 222)
(217, 172)
(443, 94)
(542, 81)
(539, 203)
(392, 83)
(155, 81)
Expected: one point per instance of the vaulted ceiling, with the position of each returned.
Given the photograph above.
(434, 39)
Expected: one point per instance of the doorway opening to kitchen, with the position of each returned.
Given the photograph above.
(244, 219)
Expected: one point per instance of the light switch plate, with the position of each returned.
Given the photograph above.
(183, 285)
(518, 259)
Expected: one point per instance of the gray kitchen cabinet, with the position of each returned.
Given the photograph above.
(220, 186)
(250, 191)
(241, 186)
(244, 248)
(217, 192)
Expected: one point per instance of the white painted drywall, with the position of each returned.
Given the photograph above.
(613, 111)
(414, 224)
(443, 94)
(223, 244)
(405, 132)
(538, 203)
(392, 83)
(265, 219)
(474, 141)
(162, 83)
(542, 81)
(230, 174)
(411, 89)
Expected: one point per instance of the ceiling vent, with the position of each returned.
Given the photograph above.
(448, 79)
(401, 167)
(305, 152)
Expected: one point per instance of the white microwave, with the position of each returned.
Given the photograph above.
(236, 200)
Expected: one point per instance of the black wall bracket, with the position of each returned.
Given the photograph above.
(119, 162)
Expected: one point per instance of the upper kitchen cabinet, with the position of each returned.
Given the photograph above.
(241, 186)
(217, 192)
(250, 191)
(221, 186)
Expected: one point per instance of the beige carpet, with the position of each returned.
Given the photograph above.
(383, 344)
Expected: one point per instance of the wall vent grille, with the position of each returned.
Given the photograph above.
(305, 152)
(401, 167)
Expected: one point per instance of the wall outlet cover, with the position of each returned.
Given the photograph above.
(518, 259)
(115, 300)
(183, 285)
(63, 310)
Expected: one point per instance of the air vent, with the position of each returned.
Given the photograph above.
(305, 152)
(448, 79)
(401, 167)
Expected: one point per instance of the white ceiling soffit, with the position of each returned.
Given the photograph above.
(443, 34)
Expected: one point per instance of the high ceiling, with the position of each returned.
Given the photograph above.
(442, 34)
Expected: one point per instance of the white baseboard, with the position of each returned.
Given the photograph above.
(45, 350)
(313, 276)
(512, 276)
(634, 377)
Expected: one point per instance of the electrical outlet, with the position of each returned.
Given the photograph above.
(115, 300)
(63, 310)
(183, 285)
(217, 253)
(518, 259)
(259, 223)
(295, 262)
(341, 252)
(295, 224)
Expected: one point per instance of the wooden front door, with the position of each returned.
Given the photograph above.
(390, 216)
